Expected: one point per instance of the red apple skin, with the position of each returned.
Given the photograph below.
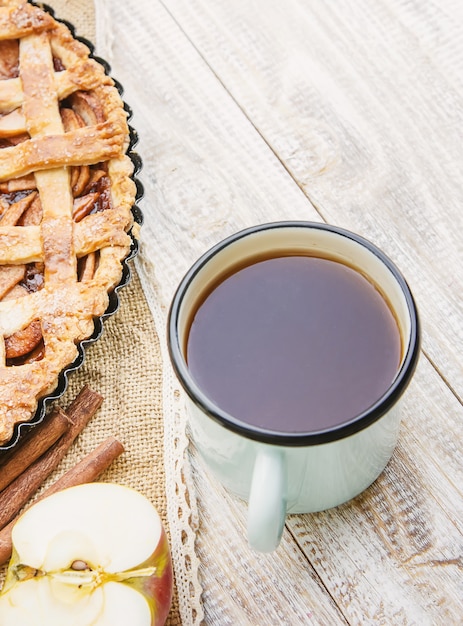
(161, 586)
(158, 588)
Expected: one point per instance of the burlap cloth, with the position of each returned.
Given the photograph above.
(125, 367)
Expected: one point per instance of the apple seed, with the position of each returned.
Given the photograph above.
(79, 565)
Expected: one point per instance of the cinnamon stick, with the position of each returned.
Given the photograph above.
(85, 471)
(24, 486)
(39, 441)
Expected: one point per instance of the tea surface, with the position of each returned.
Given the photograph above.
(294, 344)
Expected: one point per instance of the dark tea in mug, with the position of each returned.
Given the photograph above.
(293, 343)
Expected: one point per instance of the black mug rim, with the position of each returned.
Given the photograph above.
(263, 435)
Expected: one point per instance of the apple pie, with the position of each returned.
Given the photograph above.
(66, 195)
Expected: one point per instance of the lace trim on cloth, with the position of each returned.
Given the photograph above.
(182, 513)
(181, 503)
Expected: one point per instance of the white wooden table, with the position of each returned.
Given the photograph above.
(349, 112)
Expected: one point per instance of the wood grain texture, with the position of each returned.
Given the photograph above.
(362, 103)
(348, 112)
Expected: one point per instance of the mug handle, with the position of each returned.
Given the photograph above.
(267, 500)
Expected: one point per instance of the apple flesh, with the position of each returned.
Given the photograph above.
(92, 555)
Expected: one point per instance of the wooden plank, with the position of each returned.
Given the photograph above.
(362, 103)
(207, 171)
(394, 554)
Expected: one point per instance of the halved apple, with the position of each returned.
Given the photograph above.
(92, 555)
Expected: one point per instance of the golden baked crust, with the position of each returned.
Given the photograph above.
(65, 203)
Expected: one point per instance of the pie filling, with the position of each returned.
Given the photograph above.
(65, 202)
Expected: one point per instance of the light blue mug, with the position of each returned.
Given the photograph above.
(277, 472)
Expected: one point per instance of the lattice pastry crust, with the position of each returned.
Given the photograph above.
(65, 203)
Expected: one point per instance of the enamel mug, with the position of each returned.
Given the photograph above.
(280, 473)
